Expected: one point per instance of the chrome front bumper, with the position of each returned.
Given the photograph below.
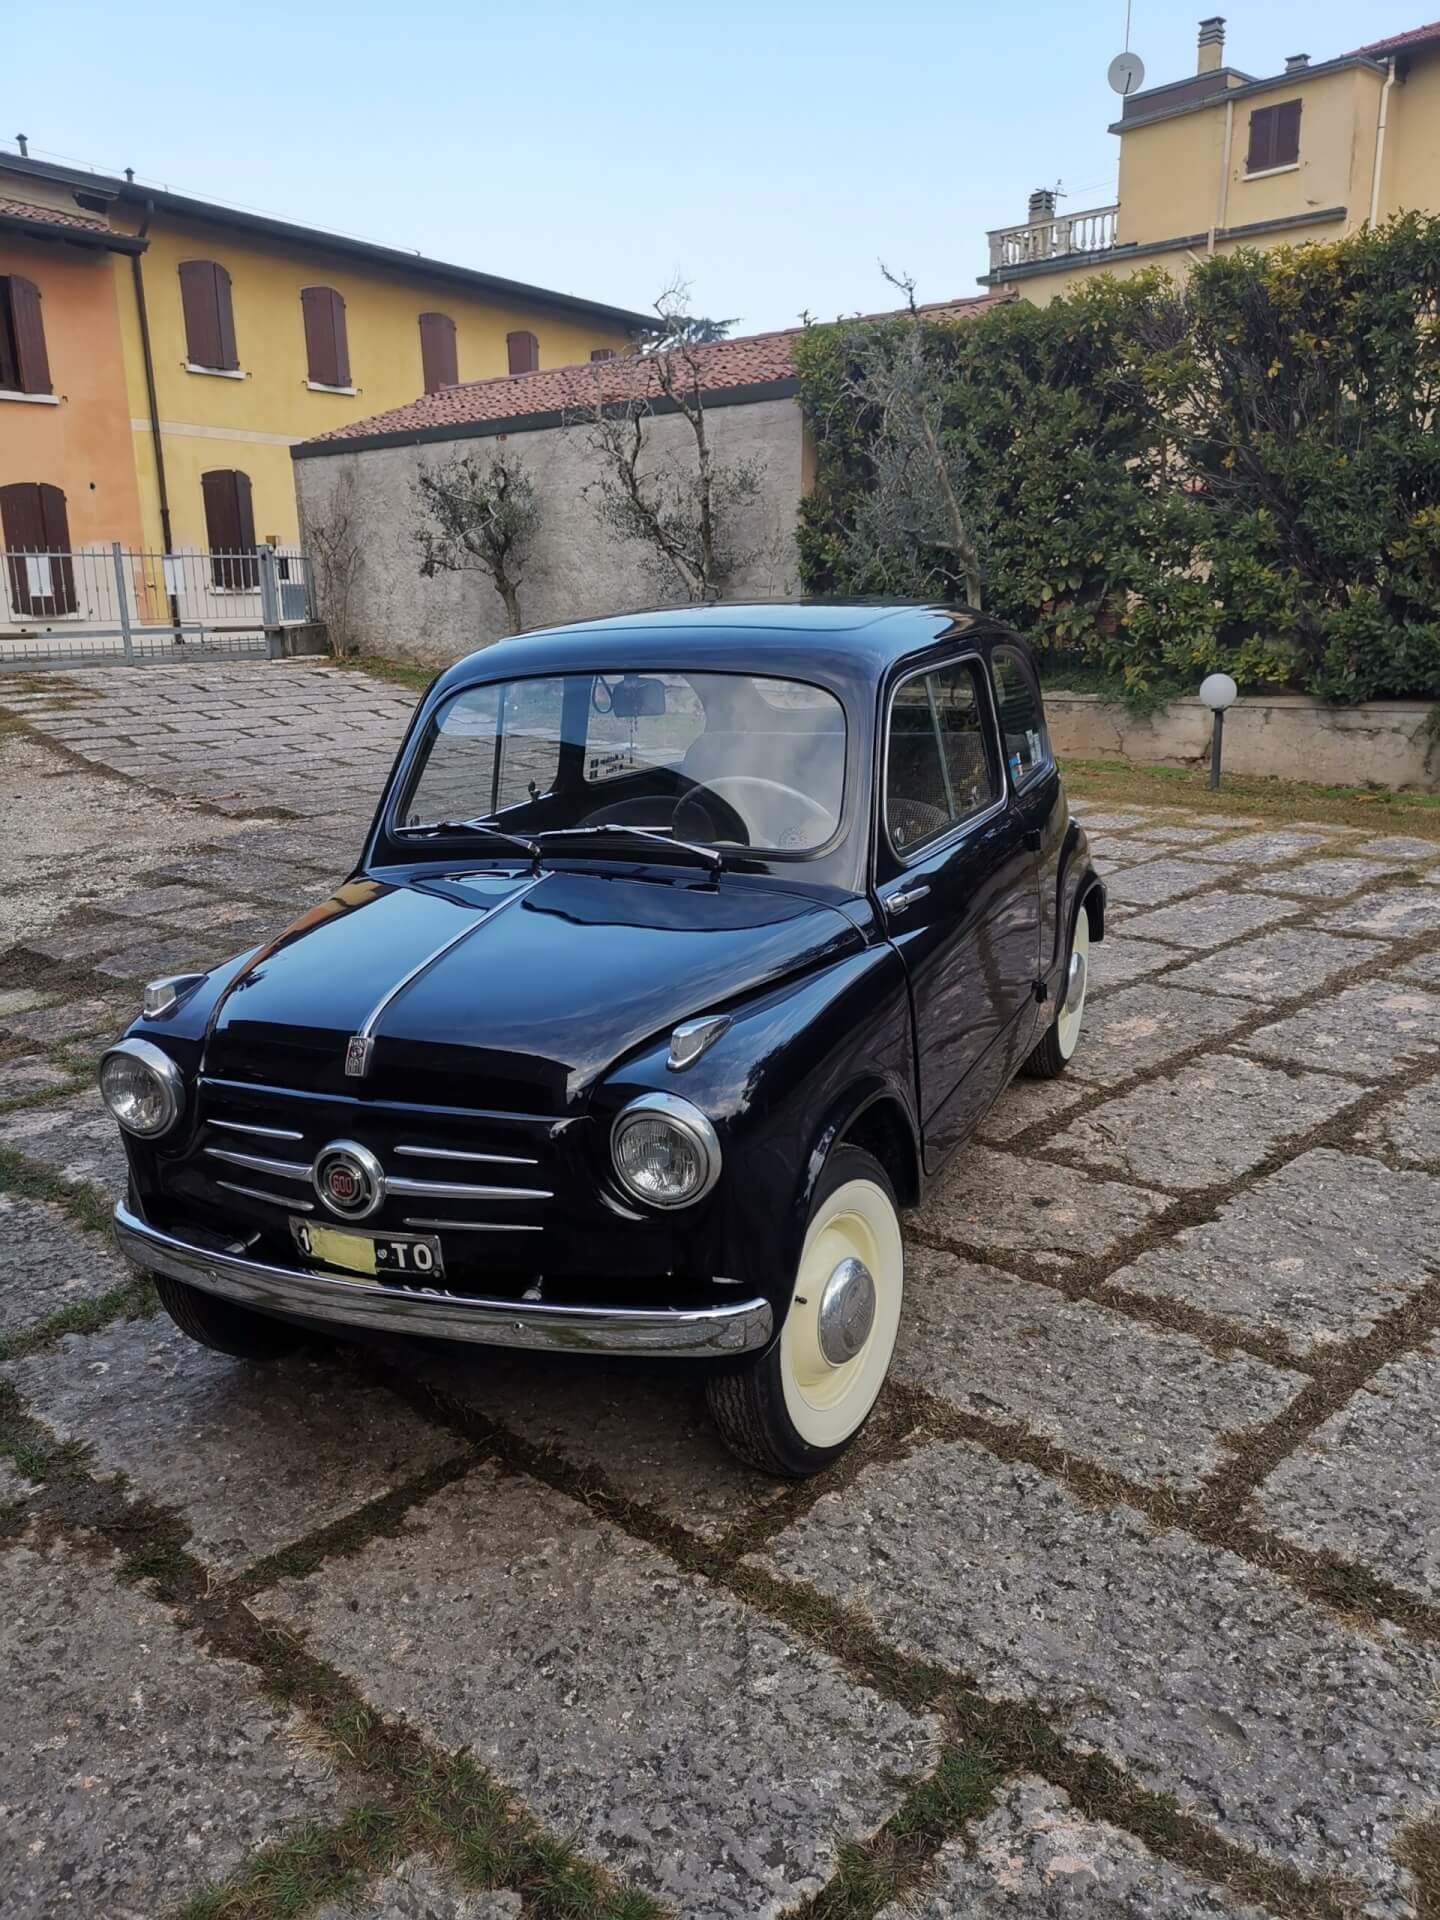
(688, 1332)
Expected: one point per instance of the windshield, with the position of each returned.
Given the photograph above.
(716, 759)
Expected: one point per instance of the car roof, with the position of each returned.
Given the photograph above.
(807, 639)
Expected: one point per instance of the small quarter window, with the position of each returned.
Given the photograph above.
(1022, 725)
(940, 765)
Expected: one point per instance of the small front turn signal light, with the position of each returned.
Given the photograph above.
(142, 1087)
(666, 1152)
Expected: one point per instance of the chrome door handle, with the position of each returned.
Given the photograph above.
(898, 902)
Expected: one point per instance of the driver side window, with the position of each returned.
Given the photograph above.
(940, 765)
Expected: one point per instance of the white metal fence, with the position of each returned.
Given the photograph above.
(114, 604)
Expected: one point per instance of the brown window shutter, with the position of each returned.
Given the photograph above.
(33, 520)
(9, 365)
(1262, 140)
(1287, 134)
(32, 366)
(524, 352)
(602, 353)
(209, 315)
(437, 351)
(327, 351)
(230, 528)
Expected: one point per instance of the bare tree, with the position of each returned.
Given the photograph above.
(914, 510)
(474, 516)
(332, 542)
(682, 508)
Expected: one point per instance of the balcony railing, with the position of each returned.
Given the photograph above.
(1090, 232)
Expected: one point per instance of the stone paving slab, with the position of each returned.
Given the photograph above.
(158, 903)
(19, 1000)
(1315, 1253)
(1353, 1488)
(417, 1891)
(1204, 1676)
(1035, 1857)
(252, 1456)
(997, 1203)
(1265, 849)
(135, 1767)
(175, 953)
(1212, 1121)
(14, 1487)
(1409, 1127)
(1211, 921)
(1144, 1026)
(1325, 879)
(664, 1728)
(75, 1139)
(1175, 834)
(1025, 1103)
(1150, 1404)
(1158, 882)
(1401, 846)
(1366, 1031)
(1273, 966)
(1393, 915)
(643, 1426)
(1425, 968)
(1117, 960)
(68, 1020)
(31, 1073)
(49, 1263)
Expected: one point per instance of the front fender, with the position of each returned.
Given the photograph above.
(794, 1070)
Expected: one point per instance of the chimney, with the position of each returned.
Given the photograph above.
(23, 144)
(1212, 44)
(1042, 206)
(1296, 62)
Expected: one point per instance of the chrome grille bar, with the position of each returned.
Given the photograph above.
(283, 1169)
(448, 1190)
(287, 1201)
(265, 1133)
(454, 1153)
(471, 1226)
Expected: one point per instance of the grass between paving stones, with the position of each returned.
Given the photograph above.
(396, 672)
(1375, 807)
(1420, 1852)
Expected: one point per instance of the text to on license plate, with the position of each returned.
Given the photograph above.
(390, 1256)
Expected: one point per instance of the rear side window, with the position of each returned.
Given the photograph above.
(940, 766)
(1022, 724)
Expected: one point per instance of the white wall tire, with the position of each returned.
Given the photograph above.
(1057, 1046)
(795, 1408)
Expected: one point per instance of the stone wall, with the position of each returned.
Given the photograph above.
(1382, 743)
(579, 570)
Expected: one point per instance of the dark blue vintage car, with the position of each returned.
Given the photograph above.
(685, 948)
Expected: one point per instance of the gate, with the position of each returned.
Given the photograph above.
(104, 605)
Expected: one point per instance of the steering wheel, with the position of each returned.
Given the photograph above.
(782, 816)
(708, 816)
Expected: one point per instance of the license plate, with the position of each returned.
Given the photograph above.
(390, 1256)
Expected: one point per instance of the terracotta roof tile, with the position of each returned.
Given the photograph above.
(50, 216)
(1398, 40)
(753, 360)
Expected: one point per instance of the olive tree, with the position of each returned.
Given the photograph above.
(475, 515)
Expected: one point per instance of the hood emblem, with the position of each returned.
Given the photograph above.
(358, 1049)
(349, 1179)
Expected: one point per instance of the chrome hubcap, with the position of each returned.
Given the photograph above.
(1075, 989)
(847, 1312)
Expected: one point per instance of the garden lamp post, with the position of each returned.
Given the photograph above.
(1218, 691)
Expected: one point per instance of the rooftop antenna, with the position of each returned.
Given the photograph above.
(1127, 70)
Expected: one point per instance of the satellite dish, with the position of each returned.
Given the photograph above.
(1127, 73)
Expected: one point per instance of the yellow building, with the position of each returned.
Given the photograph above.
(1222, 160)
(184, 348)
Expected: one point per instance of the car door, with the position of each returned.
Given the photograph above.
(956, 884)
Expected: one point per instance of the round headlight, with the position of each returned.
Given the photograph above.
(665, 1151)
(142, 1087)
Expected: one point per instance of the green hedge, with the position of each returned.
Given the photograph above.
(1242, 473)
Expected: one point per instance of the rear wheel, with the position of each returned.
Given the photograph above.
(223, 1325)
(799, 1405)
(1057, 1049)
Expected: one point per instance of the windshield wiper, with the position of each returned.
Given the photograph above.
(529, 848)
(652, 835)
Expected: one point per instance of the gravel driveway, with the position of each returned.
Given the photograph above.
(1127, 1604)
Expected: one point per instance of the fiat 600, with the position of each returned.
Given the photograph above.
(684, 950)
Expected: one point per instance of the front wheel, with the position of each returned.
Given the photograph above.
(798, 1406)
(1056, 1050)
(224, 1325)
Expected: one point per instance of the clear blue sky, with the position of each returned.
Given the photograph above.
(768, 150)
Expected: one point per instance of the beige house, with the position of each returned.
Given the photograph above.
(1222, 159)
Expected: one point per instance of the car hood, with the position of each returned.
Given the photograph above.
(505, 991)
